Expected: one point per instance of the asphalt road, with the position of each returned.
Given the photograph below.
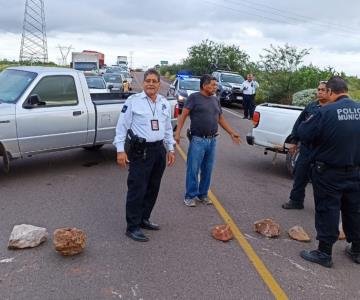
(87, 190)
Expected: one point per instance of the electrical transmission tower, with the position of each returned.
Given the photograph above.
(33, 41)
(64, 51)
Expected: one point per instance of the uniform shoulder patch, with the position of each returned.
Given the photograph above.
(124, 109)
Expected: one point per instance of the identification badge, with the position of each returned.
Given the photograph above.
(154, 125)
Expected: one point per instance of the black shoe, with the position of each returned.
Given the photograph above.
(292, 205)
(245, 117)
(137, 235)
(317, 257)
(146, 224)
(355, 256)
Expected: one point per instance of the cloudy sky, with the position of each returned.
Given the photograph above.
(165, 29)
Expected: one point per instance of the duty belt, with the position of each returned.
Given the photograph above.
(323, 166)
(154, 144)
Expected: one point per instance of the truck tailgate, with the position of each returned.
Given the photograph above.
(107, 108)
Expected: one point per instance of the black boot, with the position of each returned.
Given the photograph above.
(292, 205)
(318, 257)
(354, 255)
(137, 235)
(322, 256)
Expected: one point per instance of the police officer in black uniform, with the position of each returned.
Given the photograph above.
(302, 165)
(143, 128)
(334, 133)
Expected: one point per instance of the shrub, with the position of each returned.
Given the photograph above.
(304, 97)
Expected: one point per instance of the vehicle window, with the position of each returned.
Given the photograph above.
(13, 83)
(95, 83)
(193, 85)
(232, 78)
(57, 90)
(113, 78)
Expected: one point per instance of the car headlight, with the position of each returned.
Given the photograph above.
(181, 98)
(227, 88)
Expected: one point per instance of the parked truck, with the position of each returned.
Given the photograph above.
(272, 126)
(46, 109)
(122, 60)
(101, 57)
(84, 61)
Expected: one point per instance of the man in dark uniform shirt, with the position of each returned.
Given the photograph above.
(302, 166)
(334, 134)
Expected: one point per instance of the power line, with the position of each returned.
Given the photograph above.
(273, 18)
(294, 16)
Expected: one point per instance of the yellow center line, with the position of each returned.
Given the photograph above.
(260, 267)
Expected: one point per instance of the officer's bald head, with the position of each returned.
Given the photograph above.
(337, 85)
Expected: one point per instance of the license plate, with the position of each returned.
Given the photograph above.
(239, 98)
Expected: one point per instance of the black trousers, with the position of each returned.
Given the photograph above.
(301, 177)
(336, 191)
(143, 184)
(249, 105)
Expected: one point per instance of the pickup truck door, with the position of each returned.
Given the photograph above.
(59, 120)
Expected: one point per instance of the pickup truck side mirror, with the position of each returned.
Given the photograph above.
(32, 101)
(110, 87)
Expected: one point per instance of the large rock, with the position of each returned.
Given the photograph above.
(298, 233)
(26, 236)
(69, 241)
(267, 227)
(341, 232)
(222, 233)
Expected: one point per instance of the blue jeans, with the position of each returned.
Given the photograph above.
(201, 159)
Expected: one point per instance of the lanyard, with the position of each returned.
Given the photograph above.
(152, 111)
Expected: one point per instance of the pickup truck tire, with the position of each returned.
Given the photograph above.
(93, 148)
(5, 158)
(291, 161)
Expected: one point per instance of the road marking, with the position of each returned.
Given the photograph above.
(231, 112)
(260, 267)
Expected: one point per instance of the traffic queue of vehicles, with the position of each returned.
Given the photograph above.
(229, 87)
(45, 109)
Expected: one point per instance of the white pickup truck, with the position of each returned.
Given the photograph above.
(273, 124)
(50, 109)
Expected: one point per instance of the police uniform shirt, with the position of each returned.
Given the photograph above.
(249, 88)
(334, 133)
(138, 113)
(309, 110)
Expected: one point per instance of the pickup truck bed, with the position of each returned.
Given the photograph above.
(273, 124)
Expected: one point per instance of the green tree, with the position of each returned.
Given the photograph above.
(279, 65)
(208, 55)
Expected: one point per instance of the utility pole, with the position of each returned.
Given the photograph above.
(131, 59)
(64, 51)
(33, 42)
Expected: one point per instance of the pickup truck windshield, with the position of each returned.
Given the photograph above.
(13, 83)
(232, 78)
